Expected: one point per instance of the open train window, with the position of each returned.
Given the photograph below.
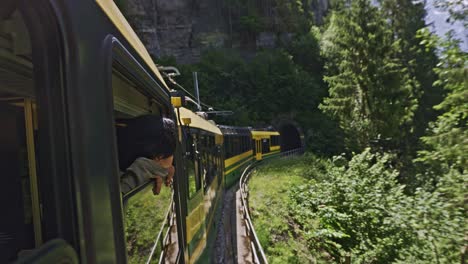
(135, 93)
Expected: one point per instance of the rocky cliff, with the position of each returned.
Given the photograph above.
(184, 28)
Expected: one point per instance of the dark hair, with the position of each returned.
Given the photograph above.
(146, 136)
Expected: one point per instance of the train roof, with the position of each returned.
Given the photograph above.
(118, 19)
(234, 130)
(264, 134)
(198, 122)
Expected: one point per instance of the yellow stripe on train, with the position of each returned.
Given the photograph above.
(233, 169)
(235, 159)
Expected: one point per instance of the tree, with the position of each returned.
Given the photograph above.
(406, 17)
(458, 10)
(370, 91)
(447, 142)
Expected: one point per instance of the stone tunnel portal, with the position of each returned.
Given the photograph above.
(289, 137)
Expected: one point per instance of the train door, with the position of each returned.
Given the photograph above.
(258, 149)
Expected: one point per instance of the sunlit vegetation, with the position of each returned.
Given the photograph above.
(311, 210)
(144, 215)
(269, 201)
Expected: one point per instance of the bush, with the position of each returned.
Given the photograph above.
(358, 208)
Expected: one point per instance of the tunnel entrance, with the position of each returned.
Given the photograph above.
(289, 137)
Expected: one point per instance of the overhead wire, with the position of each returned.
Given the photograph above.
(185, 90)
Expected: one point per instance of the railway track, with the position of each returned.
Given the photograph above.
(249, 248)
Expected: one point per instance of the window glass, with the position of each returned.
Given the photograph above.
(265, 145)
(193, 181)
(211, 166)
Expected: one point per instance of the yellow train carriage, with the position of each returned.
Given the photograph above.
(204, 174)
(266, 144)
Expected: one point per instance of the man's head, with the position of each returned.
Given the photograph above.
(147, 136)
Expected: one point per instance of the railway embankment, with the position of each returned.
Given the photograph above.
(312, 210)
(269, 199)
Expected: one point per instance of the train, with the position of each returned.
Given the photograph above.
(68, 71)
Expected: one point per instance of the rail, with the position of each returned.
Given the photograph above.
(292, 153)
(255, 246)
(160, 241)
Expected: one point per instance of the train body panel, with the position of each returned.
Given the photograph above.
(237, 152)
(204, 173)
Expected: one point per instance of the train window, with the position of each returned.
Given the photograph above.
(226, 143)
(265, 145)
(230, 147)
(254, 148)
(211, 166)
(274, 140)
(144, 212)
(236, 145)
(194, 183)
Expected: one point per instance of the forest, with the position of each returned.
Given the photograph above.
(383, 102)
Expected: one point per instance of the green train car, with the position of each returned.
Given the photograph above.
(204, 189)
(238, 152)
(71, 73)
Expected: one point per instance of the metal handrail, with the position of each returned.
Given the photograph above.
(292, 152)
(257, 250)
(159, 239)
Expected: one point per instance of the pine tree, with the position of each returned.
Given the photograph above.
(448, 138)
(406, 17)
(370, 91)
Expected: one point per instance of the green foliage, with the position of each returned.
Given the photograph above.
(405, 18)
(274, 84)
(438, 222)
(370, 92)
(335, 208)
(251, 24)
(268, 199)
(144, 215)
(448, 138)
(295, 16)
(348, 210)
(458, 10)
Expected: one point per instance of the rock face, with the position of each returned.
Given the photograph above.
(184, 28)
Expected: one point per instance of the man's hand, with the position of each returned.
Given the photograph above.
(157, 185)
(170, 175)
(158, 180)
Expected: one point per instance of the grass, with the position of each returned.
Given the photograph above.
(144, 215)
(269, 199)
